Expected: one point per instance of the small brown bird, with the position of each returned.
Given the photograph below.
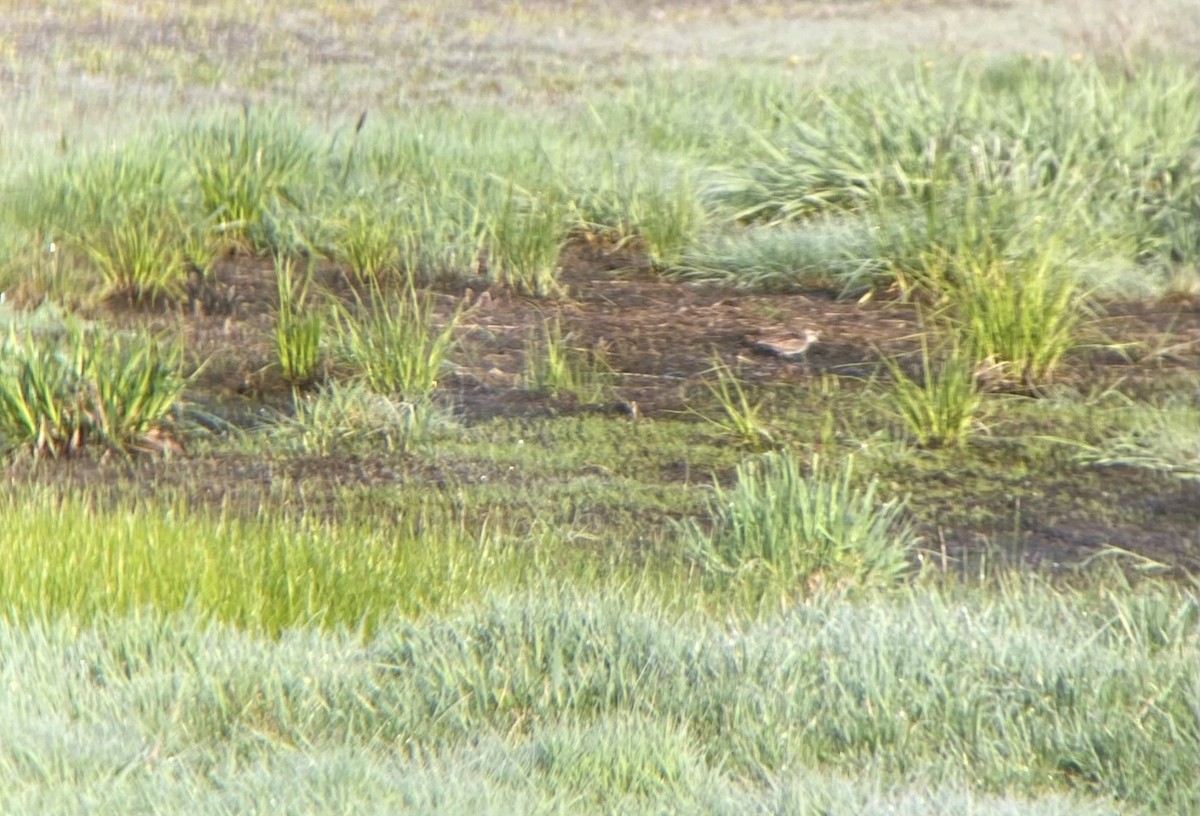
(788, 345)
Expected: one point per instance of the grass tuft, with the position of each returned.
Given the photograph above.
(742, 413)
(350, 418)
(298, 326)
(525, 235)
(805, 530)
(555, 368)
(938, 408)
(244, 168)
(391, 342)
(59, 394)
(1024, 315)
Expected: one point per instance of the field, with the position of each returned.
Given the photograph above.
(533, 407)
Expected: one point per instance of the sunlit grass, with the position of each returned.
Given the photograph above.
(352, 418)
(526, 231)
(244, 167)
(299, 324)
(390, 641)
(939, 406)
(66, 556)
(804, 529)
(1025, 315)
(393, 343)
(63, 390)
(741, 412)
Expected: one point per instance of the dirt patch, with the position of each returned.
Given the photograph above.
(661, 339)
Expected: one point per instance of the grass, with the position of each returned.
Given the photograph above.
(350, 417)
(804, 530)
(830, 254)
(244, 168)
(59, 394)
(140, 257)
(928, 698)
(1025, 316)
(1154, 437)
(68, 557)
(742, 418)
(392, 343)
(524, 238)
(939, 407)
(366, 240)
(952, 163)
(557, 369)
(298, 327)
(360, 591)
(660, 207)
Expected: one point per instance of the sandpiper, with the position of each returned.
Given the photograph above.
(788, 345)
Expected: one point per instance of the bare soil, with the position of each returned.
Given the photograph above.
(660, 339)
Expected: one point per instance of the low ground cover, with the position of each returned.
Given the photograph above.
(736, 434)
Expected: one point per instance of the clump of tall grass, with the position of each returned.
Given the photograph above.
(80, 196)
(244, 168)
(940, 406)
(140, 254)
(831, 254)
(393, 343)
(623, 760)
(741, 412)
(367, 239)
(1106, 164)
(664, 212)
(804, 528)
(298, 326)
(1025, 314)
(61, 393)
(117, 212)
(554, 367)
(525, 234)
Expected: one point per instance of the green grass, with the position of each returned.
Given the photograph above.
(392, 342)
(659, 206)
(741, 413)
(140, 257)
(66, 556)
(557, 369)
(299, 325)
(952, 162)
(245, 168)
(1052, 702)
(939, 407)
(1024, 316)
(367, 239)
(802, 529)
(831, 254)
(1159, 437)
(526, 231)
(62, 392)
(882, 171)
(351, 418)
(368, 600)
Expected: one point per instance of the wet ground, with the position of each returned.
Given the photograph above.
(660, 338)
(76, 72)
